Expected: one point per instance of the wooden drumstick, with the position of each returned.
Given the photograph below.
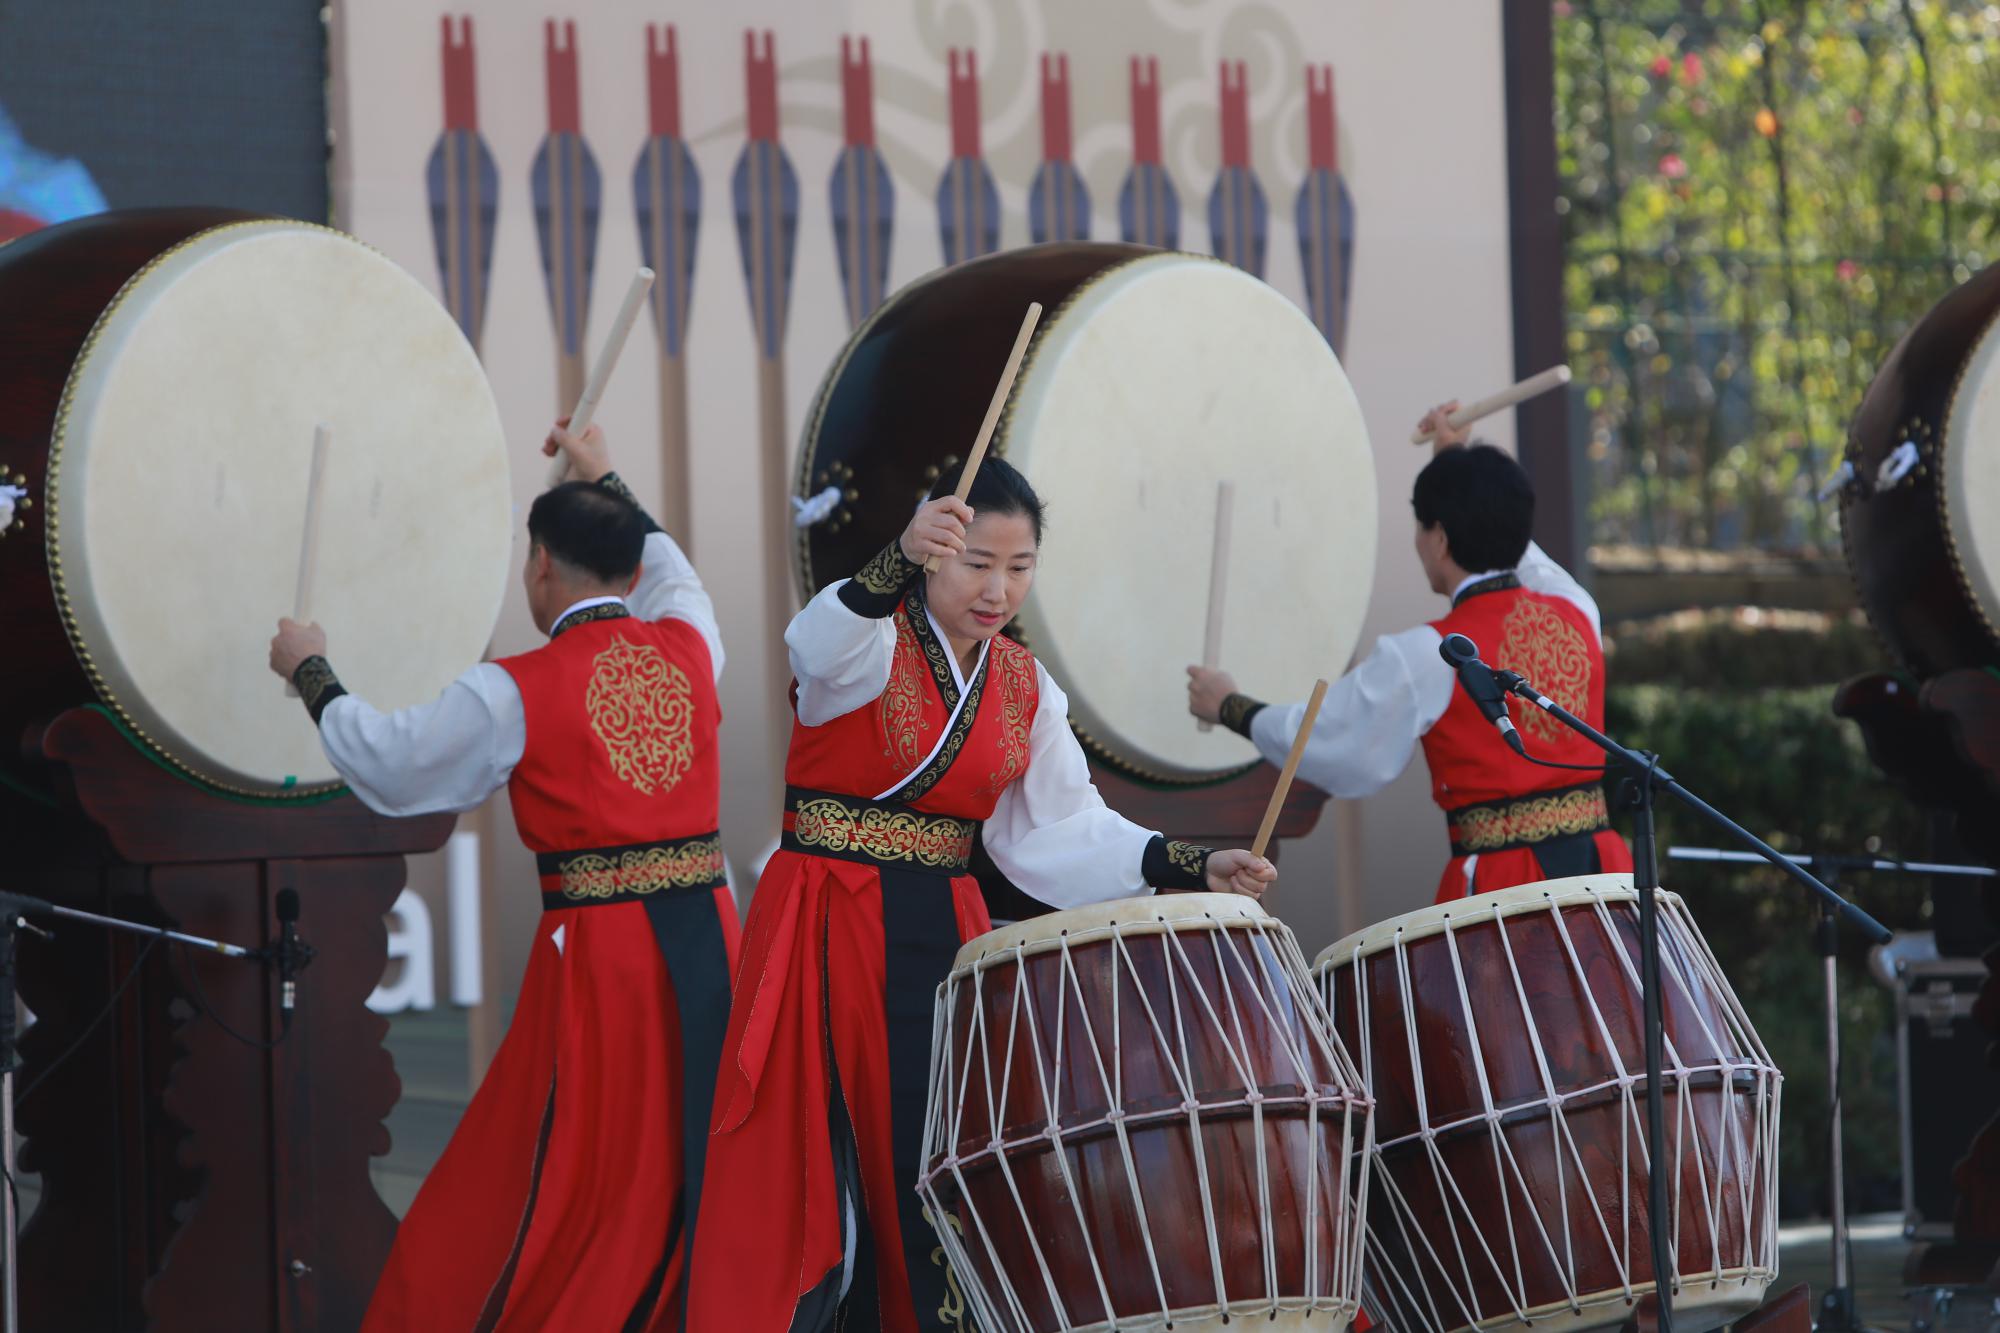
(309, 537)
(600, 370)
(1552, 378)
(1284, 787)
(978, 454)
(1218, 581)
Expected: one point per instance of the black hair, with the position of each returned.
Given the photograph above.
(1484, 501)
(998, 488)
(589, 528)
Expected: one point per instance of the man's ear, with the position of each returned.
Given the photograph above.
(633, 582)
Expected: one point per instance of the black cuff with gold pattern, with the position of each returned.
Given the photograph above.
(1175, 865)
(317, 685)
(1236, 712)
(614, 483)
(878, 589)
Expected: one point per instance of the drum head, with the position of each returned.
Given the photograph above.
(1153, 377)
(1151, 914)
(1461, 912)
(177, 493)
(1971, 479)
(1158, 380)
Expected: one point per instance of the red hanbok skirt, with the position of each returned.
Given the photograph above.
(820, 1100)
(559, 1202)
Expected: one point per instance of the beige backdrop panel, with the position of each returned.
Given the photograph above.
(1422, 125)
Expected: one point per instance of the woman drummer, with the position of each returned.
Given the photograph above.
(918, 728)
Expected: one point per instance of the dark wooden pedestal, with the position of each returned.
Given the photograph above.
(1941, 744)
(190, 1181)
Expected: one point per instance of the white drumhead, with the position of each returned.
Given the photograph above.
(1461, 912)
(1155, 913)
(1157, 380)
(1971, 480)
(178, 490)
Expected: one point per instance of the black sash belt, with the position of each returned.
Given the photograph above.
(1526, 821)
(597, 876)
(880, 833)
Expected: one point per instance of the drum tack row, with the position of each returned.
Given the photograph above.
(1148, 1115)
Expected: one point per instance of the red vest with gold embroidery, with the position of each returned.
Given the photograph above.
(621, 746)
(870, 750)
(1547, 640)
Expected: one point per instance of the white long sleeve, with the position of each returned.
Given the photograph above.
(1051, 833)
(461, 747)
(1374, 716)
(668, 588)
(840, 659)
(449, 754)
(1370, 720)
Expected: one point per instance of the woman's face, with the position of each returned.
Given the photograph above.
(975, 593)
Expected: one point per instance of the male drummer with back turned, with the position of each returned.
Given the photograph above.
(566, 1198)
(1510, 821)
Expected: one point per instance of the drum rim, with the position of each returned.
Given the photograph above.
(1092, 923)
(816, 414)
(1425, 922)
(802, 570)
(1944, 457)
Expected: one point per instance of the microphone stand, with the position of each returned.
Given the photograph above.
(1647, 777)
(14, 909)
(1837, 1304)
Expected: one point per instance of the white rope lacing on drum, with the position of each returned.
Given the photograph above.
(980, 1042)
(1280, 951)
(1314, 1056)
(1387, 1285)
(1559, 1134)
(1403, 1298)
(1620, 1252)
(1674, 1074)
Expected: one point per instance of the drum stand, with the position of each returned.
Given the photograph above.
(1644, 777)
(14, 910)
(1836, 1306)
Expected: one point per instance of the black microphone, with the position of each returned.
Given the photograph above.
(1476, 678)
(292, 955)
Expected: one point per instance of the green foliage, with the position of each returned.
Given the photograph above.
(1758, 199)
(1779, 762)
(1748, 647)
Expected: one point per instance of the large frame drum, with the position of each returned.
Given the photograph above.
(1139, 1118)
(161, 376)
(1920, 519)
(1501, 1038)
(1153, 377)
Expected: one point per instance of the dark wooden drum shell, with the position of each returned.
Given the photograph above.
(1243, 1093)
(1900, 549)
(54, 284)
(1529, 1127)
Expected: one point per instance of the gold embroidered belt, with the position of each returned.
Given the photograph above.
(597, 876)
(883, 833)
(1499, 826)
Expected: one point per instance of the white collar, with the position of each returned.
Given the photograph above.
(1471, 579)
(956, 673)
(585, 605)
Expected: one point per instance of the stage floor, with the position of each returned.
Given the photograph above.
(429, 1050)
